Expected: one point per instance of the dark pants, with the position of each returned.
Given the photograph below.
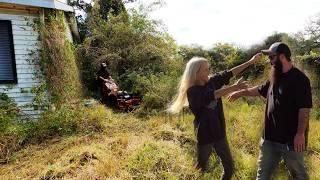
(271, 154)
(222, 150)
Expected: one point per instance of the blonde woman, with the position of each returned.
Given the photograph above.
(203, 94)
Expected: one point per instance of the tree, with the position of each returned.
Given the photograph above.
(187, 52)
(106, 8)
(313, 32)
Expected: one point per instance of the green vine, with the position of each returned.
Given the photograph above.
(57, 63)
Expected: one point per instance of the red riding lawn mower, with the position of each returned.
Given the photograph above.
(120, 100)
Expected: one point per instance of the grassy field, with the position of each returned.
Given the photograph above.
(157, 148)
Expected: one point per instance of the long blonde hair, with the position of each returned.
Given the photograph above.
(188, 79)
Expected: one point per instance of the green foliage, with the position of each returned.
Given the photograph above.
(310, 41)
(187, 52)
(227, 53)
(107, 7)
(223, 56)
(156, 91)
(9, 118)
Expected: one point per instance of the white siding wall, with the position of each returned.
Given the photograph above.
(63, 1)
(25, 41)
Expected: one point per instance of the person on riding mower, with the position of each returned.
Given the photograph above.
(106, 86)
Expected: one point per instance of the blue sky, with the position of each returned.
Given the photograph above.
(241, 22)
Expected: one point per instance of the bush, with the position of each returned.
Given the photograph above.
(68, 120)
(157, 89)
(8, 112)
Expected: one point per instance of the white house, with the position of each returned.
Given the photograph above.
(17, 40)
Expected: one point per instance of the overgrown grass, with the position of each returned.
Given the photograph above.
(155, 148)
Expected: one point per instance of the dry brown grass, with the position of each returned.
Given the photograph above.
(157, 148)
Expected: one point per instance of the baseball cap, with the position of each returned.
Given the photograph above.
(278, 48)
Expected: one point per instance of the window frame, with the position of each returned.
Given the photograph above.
(12, 52)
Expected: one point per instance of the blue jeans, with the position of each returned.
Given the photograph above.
(271, 154)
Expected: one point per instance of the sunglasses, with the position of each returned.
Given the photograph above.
(271, 57)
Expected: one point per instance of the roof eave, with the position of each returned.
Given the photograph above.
(51, 4)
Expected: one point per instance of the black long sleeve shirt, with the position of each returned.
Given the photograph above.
(208, 111)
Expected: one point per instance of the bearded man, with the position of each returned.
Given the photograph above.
(289, 100)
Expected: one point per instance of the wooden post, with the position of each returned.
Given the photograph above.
(73, 26)
(41, 14)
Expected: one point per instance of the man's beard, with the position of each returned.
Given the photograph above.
(276, 72)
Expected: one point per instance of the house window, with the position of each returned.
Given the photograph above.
(7, 59)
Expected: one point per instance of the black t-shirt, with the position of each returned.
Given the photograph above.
(209, 118)
(284, 99)
(104, 73)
